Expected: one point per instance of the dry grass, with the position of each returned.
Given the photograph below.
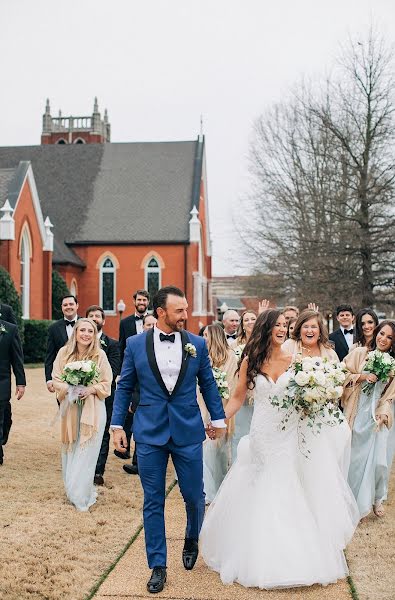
(48, 550)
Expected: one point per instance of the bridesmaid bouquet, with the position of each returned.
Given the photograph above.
(313, 392)
(79, 374)
(222, 384)
(380, 364)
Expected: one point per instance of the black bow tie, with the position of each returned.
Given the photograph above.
(138, 318)
(231, 335)
(348, 331)
(72, 323)
(167, 338)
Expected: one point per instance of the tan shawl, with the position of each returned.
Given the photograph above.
(89, 422)
(230, 368)
(355, 362)
(294, 347)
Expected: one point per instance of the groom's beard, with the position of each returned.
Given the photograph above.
(177, 326)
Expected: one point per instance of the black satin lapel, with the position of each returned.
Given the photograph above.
(184, 363)
(63, 333)
(152, 360)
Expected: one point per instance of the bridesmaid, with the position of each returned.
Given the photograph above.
(371, 417)
(366, 322)
(82, 425)
(310, 337)
(291, 326)
(216, 453)
(244, 416)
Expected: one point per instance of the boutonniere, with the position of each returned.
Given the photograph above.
(3, 329)
(103, 343)
(190, 349)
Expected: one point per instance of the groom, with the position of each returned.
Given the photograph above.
(166, 361)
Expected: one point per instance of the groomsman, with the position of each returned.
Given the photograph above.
(11, 356)
(290, 312)
(58, 334)
(344, 336)
(111, 348)
(7, 314)
(231, 321)
(128, 327)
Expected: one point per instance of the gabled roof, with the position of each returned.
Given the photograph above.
(113, 193)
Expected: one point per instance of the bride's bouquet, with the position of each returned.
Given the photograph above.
(222, 384)
(79, 374)
(313, 392)
(380, 364)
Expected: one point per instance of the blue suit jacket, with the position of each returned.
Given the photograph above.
(160, 415)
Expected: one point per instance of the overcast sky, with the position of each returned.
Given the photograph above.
(158, 65)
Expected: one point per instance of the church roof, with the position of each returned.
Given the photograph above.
(112, 193)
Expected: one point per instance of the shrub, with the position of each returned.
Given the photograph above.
(59, 289)
(9, 295)
(35, 342)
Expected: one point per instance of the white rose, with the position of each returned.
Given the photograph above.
(319, 378)
(387, 359)
(339, 391)
(86, 366)
(308, 364)
(331, 393)
(308, 395)
(302, 378)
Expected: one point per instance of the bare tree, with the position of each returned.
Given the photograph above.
(324, 175)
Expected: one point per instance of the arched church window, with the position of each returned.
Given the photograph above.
(107, 285)
(25, 275)
(61, 141)
(152, 277)
(79, 141)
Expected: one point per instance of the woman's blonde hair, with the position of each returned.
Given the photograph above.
(217, 344)
(306, 315)
(241, 333)
(92, 351)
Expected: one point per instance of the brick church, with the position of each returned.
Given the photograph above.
(110, 217)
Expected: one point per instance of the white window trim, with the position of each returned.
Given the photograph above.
(148, 270)
(112, 270)
(25, 267)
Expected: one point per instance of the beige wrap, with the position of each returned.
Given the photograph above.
(294, 347)
(355, 362)
(89, 422)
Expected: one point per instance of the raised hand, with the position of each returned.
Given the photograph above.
(263, 305)
(313, 306)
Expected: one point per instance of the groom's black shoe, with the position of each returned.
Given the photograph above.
(157, 581)
(190, 553)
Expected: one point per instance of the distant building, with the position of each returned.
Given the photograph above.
(124, 216)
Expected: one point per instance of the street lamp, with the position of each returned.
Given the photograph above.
(121, 308)
(223, 308)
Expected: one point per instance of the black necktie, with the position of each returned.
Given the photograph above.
(348, 331)
(72, 323)
(167, 338)
(231, 336)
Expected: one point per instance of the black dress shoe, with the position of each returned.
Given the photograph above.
(98, 479)
(131, 469)
(157, 581)
(123, 455)
(190, 553)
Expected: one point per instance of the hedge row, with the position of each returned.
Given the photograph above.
(35, 340)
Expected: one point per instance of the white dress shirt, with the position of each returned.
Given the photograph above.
(139, 323)
(69, 328)
(348, 336)
(168, 358)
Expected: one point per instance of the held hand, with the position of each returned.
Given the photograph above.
(215, 432)
(50, 387)
(262, 306)
(87, 392)
(119, 439)
(381, 420)
(313, 306)
(371, 378)
(20, 390)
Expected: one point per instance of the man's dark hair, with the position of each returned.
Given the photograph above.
(94, 308)
(160, 298)
(345, 308)
(69, 296)
(141, 293)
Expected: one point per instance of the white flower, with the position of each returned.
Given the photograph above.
(190, 349)
(86, 366)
(308, 364)
(302, 378)
(319, 378)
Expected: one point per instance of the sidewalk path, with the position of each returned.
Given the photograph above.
(128, 579)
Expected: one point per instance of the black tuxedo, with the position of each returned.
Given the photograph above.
(11, 356)
(341, 346)
(127, 328)
(7, 314)
(111, 348)
(57, 338)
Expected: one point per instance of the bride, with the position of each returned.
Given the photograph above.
(279, 518)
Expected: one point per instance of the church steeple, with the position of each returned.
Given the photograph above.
(75, 130)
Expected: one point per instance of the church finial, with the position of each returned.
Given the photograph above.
(105, 116)
(47, 108)
(201, 125)
(96, 106)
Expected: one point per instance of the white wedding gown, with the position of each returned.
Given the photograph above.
(281, 519)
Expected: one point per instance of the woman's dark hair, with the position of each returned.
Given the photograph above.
(290, 322)
(201, 331)
(259, 346)
(359, 336)
(160, 298)
(377, 331)
(305, 316)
